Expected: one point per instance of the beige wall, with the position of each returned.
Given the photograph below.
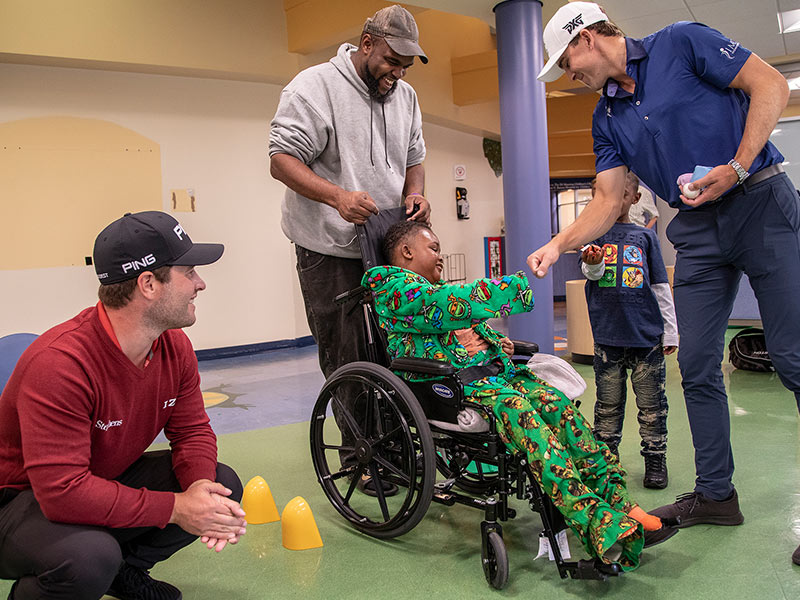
(230, 39)
(212, 136)
(446, 148)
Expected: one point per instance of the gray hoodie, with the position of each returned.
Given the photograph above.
(327, 120)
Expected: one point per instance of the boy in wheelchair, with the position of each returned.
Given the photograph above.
(425, 317)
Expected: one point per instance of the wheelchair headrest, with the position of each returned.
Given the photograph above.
(371, 234)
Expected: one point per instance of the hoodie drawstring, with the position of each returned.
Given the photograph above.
(385, 139)
(370, 133)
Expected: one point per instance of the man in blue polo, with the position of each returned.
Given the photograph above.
(686, 96)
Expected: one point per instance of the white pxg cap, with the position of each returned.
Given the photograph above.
(568, 22)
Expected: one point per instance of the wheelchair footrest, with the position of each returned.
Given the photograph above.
(593, 569)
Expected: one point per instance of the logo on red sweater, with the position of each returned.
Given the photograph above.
(106, 426)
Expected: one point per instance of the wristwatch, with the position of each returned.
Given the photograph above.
(740, 172)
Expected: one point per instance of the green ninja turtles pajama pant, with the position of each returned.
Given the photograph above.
(581, 476)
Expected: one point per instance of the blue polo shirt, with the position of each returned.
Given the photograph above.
(682, 112)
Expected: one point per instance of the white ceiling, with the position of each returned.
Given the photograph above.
(752, 23)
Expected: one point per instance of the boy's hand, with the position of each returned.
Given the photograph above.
(592, 255)
(669, 349)
(507, 345)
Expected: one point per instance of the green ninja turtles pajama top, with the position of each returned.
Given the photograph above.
(580, 475)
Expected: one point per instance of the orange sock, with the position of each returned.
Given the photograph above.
(648, 521)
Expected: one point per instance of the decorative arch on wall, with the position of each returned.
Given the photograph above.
(62, 179)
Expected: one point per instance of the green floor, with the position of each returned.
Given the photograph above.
(441, 556)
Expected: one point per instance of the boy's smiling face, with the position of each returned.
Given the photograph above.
(422, 254)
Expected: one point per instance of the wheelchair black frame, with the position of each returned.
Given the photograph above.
(513, 477)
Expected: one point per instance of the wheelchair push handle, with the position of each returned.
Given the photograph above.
(344, 297)
(524, 348)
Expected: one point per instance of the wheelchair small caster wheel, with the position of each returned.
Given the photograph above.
(495, 561)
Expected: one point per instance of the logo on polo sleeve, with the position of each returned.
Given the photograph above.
(729, 50)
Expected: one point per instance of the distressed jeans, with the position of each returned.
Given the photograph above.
(648, 374)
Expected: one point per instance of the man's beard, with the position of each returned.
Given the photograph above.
(372, 87)
(162, 317)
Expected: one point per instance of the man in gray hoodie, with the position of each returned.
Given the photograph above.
(347, 142)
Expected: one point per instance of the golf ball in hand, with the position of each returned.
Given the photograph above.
(690, 193)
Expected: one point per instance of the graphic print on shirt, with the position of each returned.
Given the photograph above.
(632, 277)
(610, 254)
(609, 278)
(632, 255)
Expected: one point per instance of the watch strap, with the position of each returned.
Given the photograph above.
(741, 173)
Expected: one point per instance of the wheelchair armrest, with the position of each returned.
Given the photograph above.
(524, 348)
(426, 366)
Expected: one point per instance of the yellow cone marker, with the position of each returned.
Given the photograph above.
(258, 503)
(298, 527)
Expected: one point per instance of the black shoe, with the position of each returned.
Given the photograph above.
(653, 538)
(694, 508)
(366, 485)
(796, 556)
(132, 583)
(655, 471)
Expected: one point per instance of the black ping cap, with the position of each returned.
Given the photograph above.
(145, 241)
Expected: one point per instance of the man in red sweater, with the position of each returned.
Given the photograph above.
(84, 510)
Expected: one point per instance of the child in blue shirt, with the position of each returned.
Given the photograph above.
(633, 323)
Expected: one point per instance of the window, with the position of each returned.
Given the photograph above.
(568, 198)
(570, 204)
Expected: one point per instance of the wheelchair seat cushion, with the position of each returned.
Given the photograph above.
(469, 421)
(558, 373)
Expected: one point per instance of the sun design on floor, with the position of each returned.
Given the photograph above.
(219, 398)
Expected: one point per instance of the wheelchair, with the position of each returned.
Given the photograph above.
(406, 433)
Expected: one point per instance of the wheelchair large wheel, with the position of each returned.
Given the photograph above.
(380, 433)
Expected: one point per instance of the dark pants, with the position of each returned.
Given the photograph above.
(76, 562)
(338, 329)
(648, 375)
(755, 230)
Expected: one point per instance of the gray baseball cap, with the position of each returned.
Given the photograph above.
(396, 25)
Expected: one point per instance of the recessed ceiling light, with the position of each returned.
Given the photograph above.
(789, 21)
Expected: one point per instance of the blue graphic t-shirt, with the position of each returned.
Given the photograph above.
(623, 310)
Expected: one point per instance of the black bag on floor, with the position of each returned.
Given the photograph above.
(748, 351)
